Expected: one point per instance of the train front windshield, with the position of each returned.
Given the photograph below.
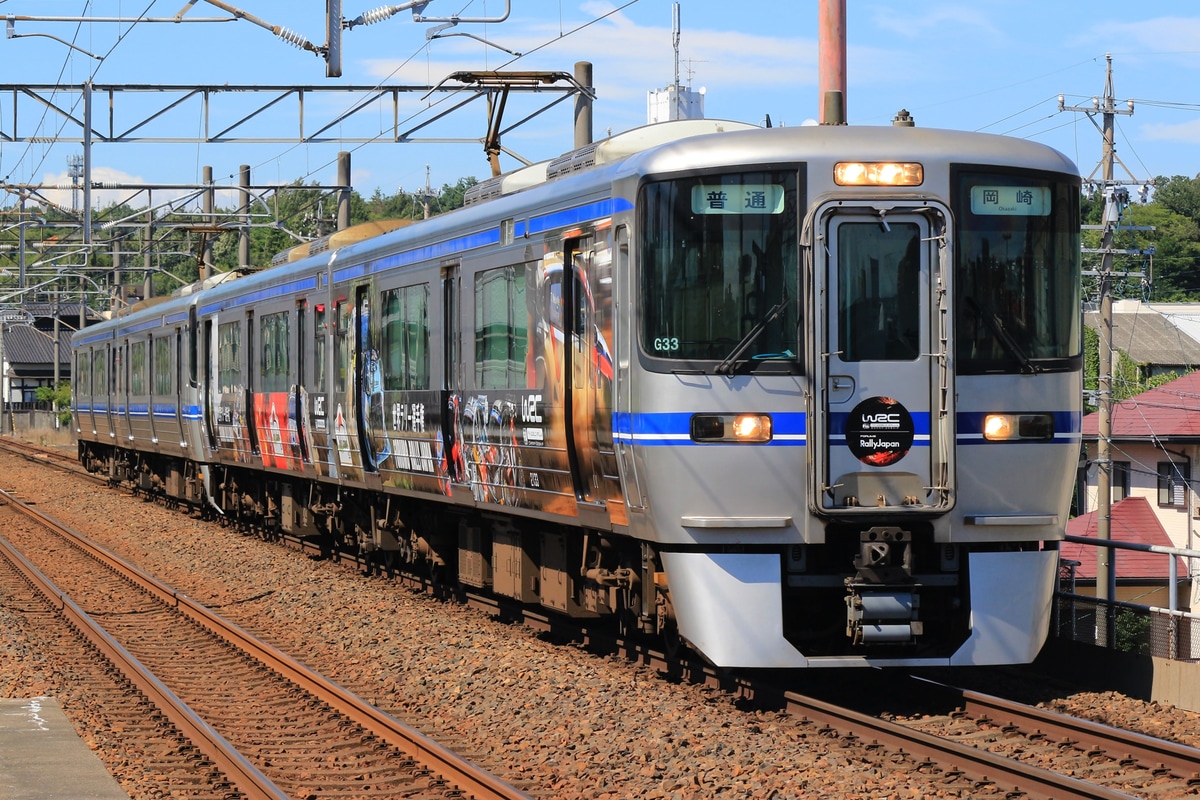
(1016, 271)
(718, 260)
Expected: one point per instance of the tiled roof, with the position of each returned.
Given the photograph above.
(26, 345)
(1133, 520)
(67, 311)
(1170, 411)
(1148, 336)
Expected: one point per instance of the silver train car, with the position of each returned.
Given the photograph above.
(794, 397)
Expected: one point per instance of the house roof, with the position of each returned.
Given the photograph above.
(1170, 411)
(1148, 335)
(67, 311)
(24, 345)
(1133, 520)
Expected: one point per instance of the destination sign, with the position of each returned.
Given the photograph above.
(740, 198)
(1010, 201)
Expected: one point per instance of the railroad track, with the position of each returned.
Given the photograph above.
(1012, 772)
(981, 751)
(261, 723)
(1037, 753)
(1098, 753)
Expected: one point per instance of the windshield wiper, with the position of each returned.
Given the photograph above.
(727, 365)
(996, 325)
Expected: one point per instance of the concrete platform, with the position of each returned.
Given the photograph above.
(42, 758)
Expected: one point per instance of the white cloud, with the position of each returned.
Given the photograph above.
(628, 61)
(1186, 132)
(62, 195)
(964, 21)
(1162, 35)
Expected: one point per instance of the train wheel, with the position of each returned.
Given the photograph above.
(671, 640)
(668, 629)
(628, 625)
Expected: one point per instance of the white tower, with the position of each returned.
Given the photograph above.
(674, 102)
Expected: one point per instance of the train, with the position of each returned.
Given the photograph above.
(790, 397)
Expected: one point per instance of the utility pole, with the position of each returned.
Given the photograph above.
(1115, 198)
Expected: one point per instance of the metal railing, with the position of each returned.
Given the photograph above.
(1144, 629)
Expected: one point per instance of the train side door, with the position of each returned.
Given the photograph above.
(250, 370)
(299, 344)
(453, 455)
(884, 430)
(150, 380)
(121, 363)
(179, 386)
(368, 383)
(208, 393)
(345, 428)
(102, 380)
(623, 382)
(588, 392)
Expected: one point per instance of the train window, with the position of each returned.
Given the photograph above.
(229, 356)
(341, 345)
(406, 338)
(193, 348)
(137, 368)
(274, 332)
(321, 331)
(99, 373)
(1016, 276)
(719, 257)
(81, 377)
(162, 366)
(501, 328)
(878, 275)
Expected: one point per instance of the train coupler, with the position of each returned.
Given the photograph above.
(878, 617)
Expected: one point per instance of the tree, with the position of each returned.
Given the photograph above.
(60, 395)
(1176, 260)
(1179, 194)
(452, 197)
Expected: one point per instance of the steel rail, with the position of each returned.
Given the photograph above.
(439, 759)
(241, 773)
(1034, 782)
(1181, 760)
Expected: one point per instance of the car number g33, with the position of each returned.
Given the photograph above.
(666, 344)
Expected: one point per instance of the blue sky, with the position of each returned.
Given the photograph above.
(987, 65)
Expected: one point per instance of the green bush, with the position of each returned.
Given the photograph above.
(1133, 632)
(61, 397)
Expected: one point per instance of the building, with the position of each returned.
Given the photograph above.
(1141, 577)
(29, 351)
(1156, 338)
(1154, 447)
(674, 102)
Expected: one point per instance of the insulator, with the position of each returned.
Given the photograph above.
(293, 38)
(378, 15)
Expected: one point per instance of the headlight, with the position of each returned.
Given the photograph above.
(1014, 427)
(737, 428)
(878, 173)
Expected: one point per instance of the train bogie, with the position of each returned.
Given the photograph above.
(797, 397)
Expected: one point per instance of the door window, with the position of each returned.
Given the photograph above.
(879, 302)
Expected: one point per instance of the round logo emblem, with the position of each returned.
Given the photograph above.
(879, 431)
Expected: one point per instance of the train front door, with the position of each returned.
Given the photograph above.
(883, 432)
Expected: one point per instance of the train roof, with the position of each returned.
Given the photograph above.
(829, 143)
(663, 148)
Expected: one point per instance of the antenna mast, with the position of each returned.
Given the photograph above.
(675, 28)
